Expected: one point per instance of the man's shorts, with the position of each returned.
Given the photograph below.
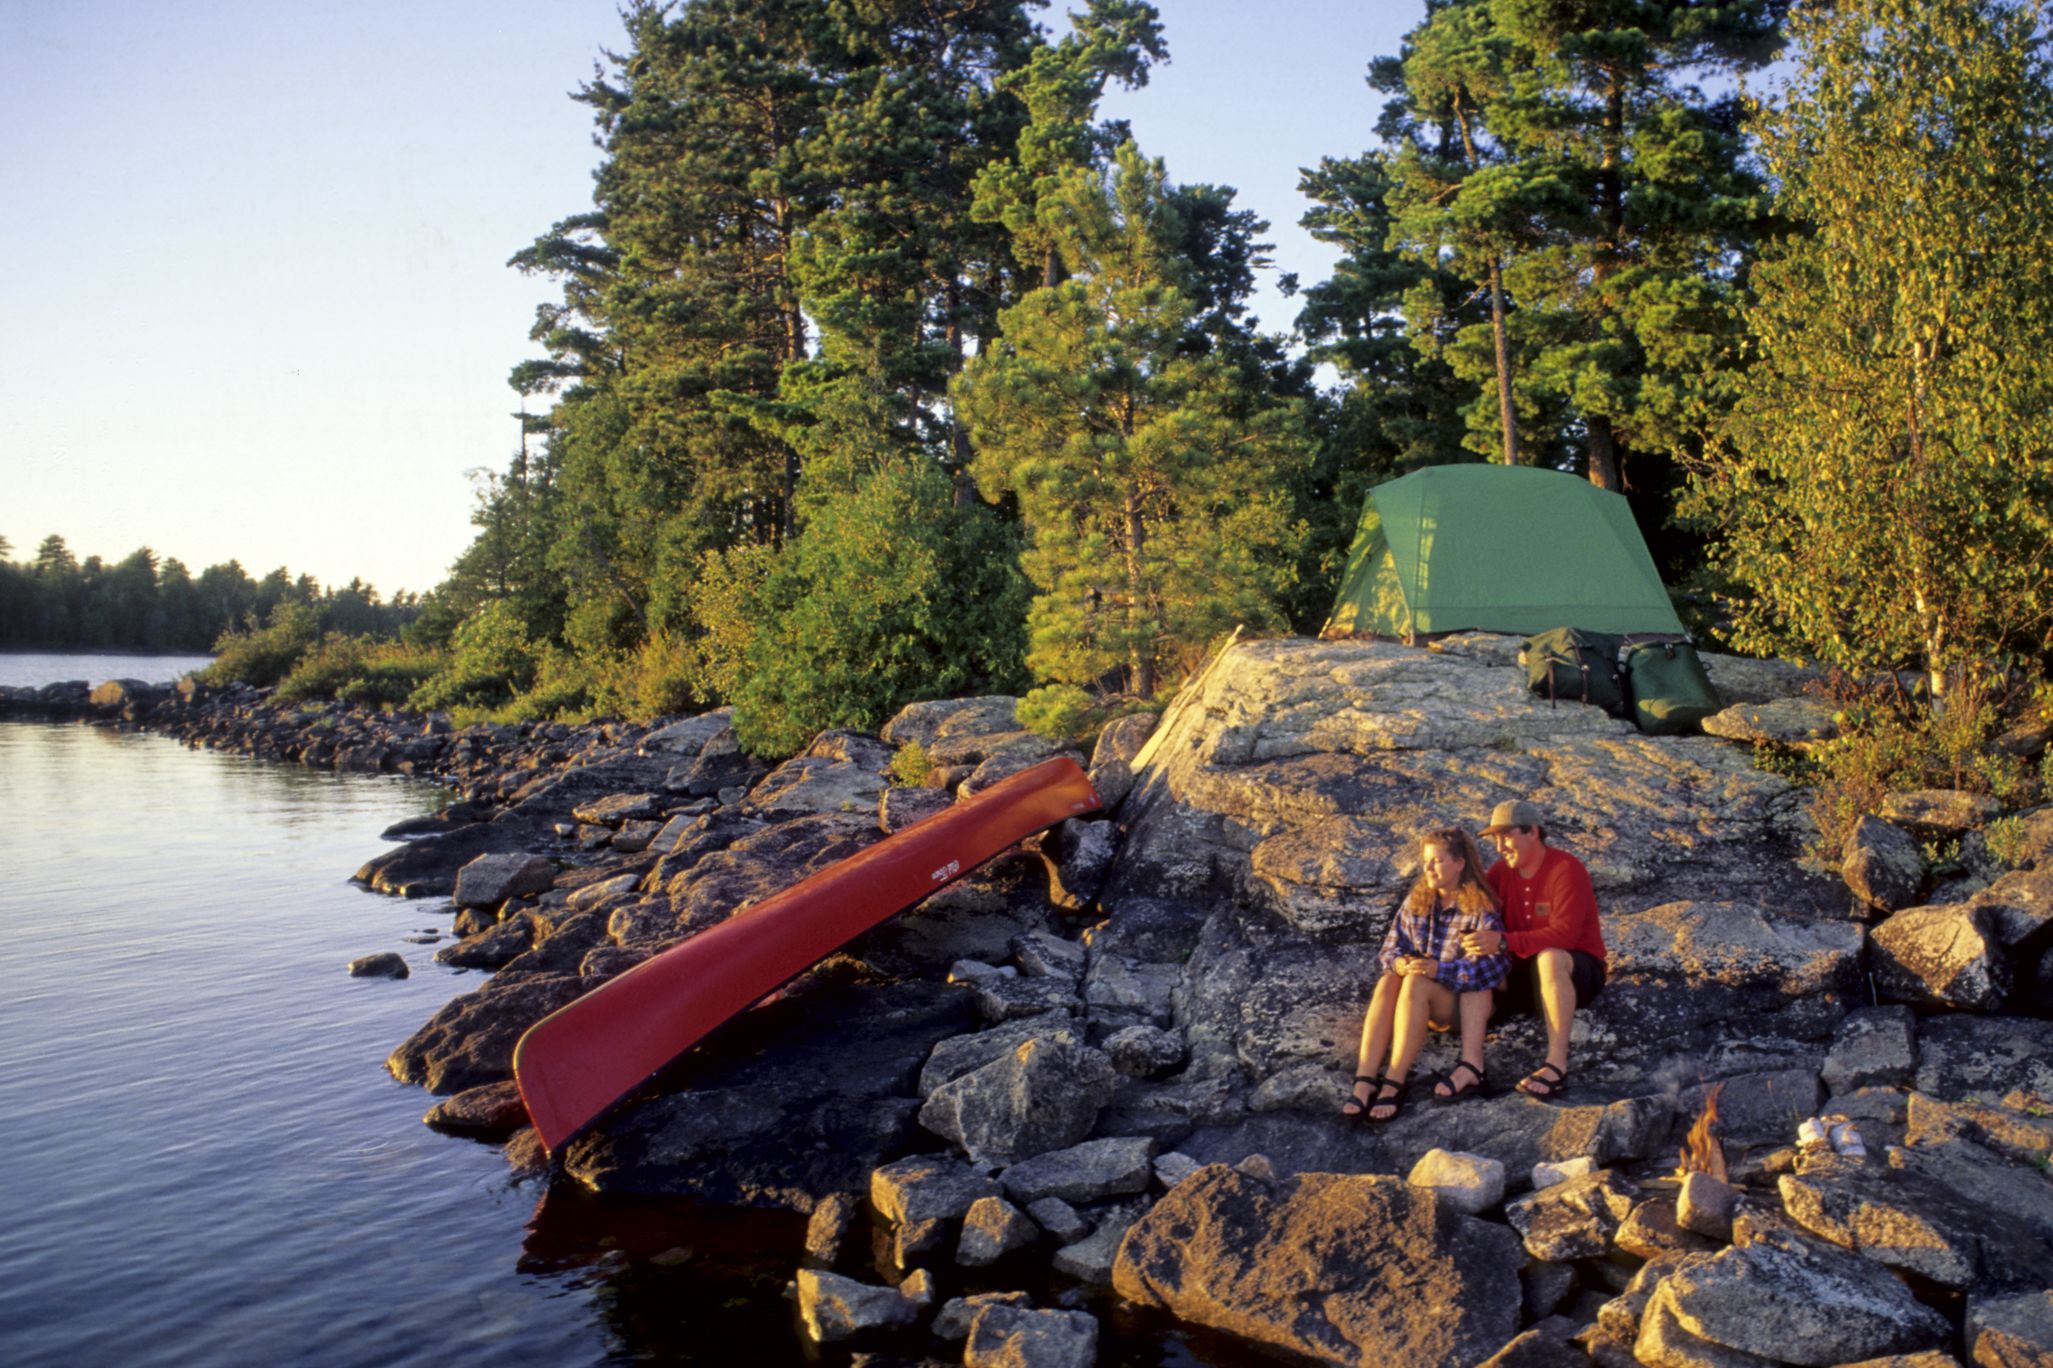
(1519, 993)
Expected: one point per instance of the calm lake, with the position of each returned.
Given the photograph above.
(207, 1161)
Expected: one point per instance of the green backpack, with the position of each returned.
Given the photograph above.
(1670, 692)
(1578, 665)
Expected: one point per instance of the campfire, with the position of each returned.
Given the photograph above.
(1701, 1152)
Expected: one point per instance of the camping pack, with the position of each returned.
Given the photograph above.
(1671, 694)
(1655, 680)
(1578, 665)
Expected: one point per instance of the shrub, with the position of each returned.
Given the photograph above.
(264, 656)
(910, 765)
(490, 662)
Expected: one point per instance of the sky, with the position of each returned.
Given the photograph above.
(257, 304)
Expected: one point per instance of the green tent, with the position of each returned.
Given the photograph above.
(1497, 549)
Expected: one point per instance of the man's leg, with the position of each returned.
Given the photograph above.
(1376, 1028)
(1553, 972)
(1474, 1010)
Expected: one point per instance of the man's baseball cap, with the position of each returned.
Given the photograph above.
(1513, 814)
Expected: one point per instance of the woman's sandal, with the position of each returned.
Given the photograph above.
(1554, 1086)
(1394, 1101)
(1454, 1092)
(1361, 1105)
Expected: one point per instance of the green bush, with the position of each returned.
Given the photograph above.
(490, 662)
(1890, 741)
(910, 765)
(265, 656)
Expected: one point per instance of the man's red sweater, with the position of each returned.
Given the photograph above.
(1555, 908)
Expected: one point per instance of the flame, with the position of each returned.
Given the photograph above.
(1701, 1152)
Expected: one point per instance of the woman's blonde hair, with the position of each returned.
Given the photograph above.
(1471, 895)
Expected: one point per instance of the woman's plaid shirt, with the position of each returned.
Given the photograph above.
(1437, 935)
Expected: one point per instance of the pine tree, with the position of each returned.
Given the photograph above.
(1632, 301)
(1154, 490)
(1884, 486)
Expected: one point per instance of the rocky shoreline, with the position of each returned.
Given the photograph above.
(1110, 1062)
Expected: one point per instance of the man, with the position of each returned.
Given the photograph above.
(1550, 921)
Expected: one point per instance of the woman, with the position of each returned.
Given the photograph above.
(1426, 977)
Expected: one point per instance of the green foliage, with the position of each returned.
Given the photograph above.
(360, 671)
(891, 595)
(910, 765)
(1888, 742)
(1884, 486)
(2006, 839)
(1067, 713)
(491, 660)
(265, 656)
(1153, 481)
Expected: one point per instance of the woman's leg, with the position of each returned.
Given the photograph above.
(1419, 1000)
(1474, 1009)
(1376, 1029)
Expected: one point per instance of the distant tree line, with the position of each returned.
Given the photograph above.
(147, 603)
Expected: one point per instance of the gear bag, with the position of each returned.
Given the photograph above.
(1671, 694)
(1578, 665)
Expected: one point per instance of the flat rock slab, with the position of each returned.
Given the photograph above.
(1911, 1222)
(470, 1040)
(1795, 1300)
(1326, 1266)
(1089, 1172)
(791, 1102)
(1962, 1057)
(1940, 811)
(1783, 721)
(1942, 956)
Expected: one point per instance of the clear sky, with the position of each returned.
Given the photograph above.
(257, 303)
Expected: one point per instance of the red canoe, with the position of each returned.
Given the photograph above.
(575, 1063)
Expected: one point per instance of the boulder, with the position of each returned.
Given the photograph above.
(1118, 987)
(1939, 812)
(490, 880)
(470, 1040)
(800, 1098)
(1470, 1183)
(1909, 1221)
(1009, 998)
(1872, 1047)
(963, 1054)
(1090, 1259)
(835, 1308)
(1796, 1300)
(1759, 1107)
(1882, 865)
(689, 737)
(720, 764)
(495, 946)
(1045, 1095)
(899, 808)
(1961, 1057)
(1326, 1267)
(1144, 1051)
(831, 1227)
(616, 808)
(1003, 1335)
(1080, 857)
(2014, 1329)
(1121, 740)
(1653, 1228)
(385, 964)
(1573, 1220)
(1042, 954)
(952, 1321)
(1771, 958)
(1021, 753)
(2020, 908)
(1781, 721)
(991, 1229)
(1944, 956)
(1089, 1172)
(492, 1111)
(930, 724)
(839, 772)
(1547, 1174)
(1706, 1205)
(922, 1197)
(1059, 1219)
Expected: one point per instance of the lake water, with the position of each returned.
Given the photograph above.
(207, 1162)
(32, 668)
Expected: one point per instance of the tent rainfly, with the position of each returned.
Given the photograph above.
(1497, 548)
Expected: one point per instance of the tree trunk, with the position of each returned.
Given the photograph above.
(1603, 453)
(1507, 416)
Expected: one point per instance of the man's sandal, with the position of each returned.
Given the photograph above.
(1457, 1092)
(1549, 1087)
(1394, 1101)
(1354, 1108)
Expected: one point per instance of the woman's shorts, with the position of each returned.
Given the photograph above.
(1517, 995)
